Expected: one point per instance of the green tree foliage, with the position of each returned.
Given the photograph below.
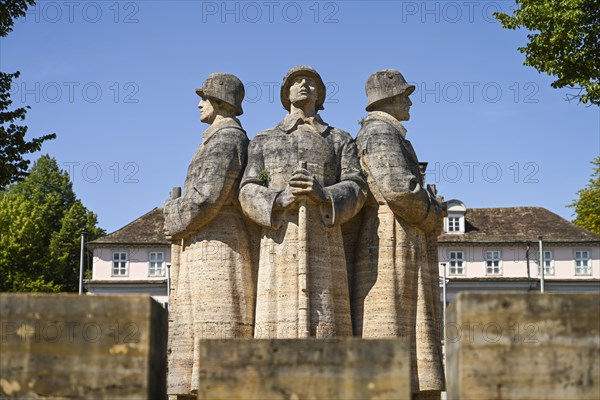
(587, 207)
(40, 227)
(565, 42)
(12, 136)
(9, 11)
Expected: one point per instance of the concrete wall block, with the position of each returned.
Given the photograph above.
(63, 345)
(523, 345)
(304, 369)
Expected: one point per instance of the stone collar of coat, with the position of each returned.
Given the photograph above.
(380, 115)
(229, 122)
(290, 123)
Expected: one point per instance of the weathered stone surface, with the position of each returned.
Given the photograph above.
(213, 276)
(383, 85)
(305, 369)
(302, 182)
(523, 346)
(395, 287)
(224, 87)
(68, 346)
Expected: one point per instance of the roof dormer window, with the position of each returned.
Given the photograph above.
(455, 221)
(454, 224)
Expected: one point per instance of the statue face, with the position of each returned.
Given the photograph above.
(400, 107)
(303, 91)
(208, 111)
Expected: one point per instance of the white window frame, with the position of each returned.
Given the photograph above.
(459, 262)
(456, 222)
(548, 263)
(493, 256)
(152, 263)
(585, 265)
(453, 224)
(123, 268)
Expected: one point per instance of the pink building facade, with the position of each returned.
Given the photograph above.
(498, 249)
(480, 249)
(134, 259)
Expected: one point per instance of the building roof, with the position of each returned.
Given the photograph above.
(146, 230)
(517, 224)
(482, 225)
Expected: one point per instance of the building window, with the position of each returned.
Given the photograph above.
(582, 262)
(548, 263)
(493, 262)
(156, 264)
(453, 224)
(457, 261)
(120, 264)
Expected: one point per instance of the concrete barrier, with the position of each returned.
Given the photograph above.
(304, 369)
(523, 346)
(63, 345)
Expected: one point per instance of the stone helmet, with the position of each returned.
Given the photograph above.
(302, 70)
(385, 84)
(225, 87)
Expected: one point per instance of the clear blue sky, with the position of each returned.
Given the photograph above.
(115, 81)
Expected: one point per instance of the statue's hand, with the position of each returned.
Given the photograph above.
(285, 199)
(436, 199)
(168, 232)
(171, 217)
(303, 183)
(434, 221)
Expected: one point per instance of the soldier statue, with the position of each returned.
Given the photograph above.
(212, 275)
(395, 288)
(302, 182)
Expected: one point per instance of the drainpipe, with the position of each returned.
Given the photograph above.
(541, 265)
(527, 258)
(169, 281)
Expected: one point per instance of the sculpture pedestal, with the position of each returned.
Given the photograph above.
(63, 345)
(523, 346)
(342, 368)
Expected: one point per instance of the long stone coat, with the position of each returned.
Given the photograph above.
(212, 275)
(273, 156)
(395, 289)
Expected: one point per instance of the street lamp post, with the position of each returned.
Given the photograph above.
(541, 265)
(445, 297)
(81, 261)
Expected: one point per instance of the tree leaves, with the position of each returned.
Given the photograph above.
(587, 207)
(9, 11)
(13, 145)
(565, 42)
(40, 225)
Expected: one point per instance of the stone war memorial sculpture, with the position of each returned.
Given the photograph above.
(213, 279)
(261, 242)
(396, 284)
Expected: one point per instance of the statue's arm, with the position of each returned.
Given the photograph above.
(387, 161)
(256, 198)
(349, 194)
(215, 176)
(173, 223)
(433, 222)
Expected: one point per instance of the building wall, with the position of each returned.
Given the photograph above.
(138, 263)
(158, 292)
(514, 261)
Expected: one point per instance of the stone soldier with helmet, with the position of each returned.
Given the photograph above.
(302, 176)
(212, 274)
(395, 287)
